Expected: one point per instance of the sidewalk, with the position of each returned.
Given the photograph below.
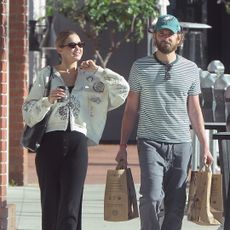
(28, 213)
(101, 158)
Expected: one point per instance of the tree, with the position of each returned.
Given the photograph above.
(124, 20)
(227, 6)
(226, 3)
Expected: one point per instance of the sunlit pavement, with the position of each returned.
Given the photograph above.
(101, 158)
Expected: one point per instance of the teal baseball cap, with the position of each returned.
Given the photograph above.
(168, 22)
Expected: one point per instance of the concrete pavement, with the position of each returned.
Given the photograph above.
(101, 158)
(28, 212)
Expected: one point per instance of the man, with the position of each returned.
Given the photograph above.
(164, 98)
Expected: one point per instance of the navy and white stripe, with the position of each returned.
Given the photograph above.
(163, 103)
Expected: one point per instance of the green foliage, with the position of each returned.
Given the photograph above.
(227, 7)
(12, 183)
(95, 16)
(100, 14)
(226, 3)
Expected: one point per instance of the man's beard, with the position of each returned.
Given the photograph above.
(164, 48)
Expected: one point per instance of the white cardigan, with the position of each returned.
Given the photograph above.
(86, 107)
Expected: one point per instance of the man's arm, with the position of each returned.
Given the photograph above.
(128, 122)
(197, 122)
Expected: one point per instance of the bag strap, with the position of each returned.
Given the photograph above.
(48, 85)
(133, 212)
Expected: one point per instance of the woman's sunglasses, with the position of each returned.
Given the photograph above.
(73, 45)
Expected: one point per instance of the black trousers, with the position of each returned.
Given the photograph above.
(61, 164)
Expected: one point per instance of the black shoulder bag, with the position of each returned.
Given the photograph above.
(32, 136)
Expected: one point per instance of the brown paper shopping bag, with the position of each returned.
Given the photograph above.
(199, 209)
(120, 201)
(216, 199)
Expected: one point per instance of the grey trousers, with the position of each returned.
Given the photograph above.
(164, 169)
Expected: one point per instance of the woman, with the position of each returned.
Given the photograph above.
(79, 98)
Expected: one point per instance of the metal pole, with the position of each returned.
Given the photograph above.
(162, 5)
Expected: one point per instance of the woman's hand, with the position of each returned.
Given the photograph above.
(56, 94)
(89, 65)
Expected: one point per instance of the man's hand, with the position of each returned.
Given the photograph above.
(121, 157)
(207, 157)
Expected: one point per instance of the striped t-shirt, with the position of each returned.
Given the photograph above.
(163, 112)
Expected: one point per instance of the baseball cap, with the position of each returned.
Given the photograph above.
(168, 22)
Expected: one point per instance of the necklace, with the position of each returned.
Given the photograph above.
(69, 76)
(66, 71)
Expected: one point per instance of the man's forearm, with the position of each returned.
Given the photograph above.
(197, 123)
(128, 123)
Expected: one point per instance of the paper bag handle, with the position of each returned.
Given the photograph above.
(206, 168)
(120, 166)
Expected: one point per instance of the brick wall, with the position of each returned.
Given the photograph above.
(18, 67)
(7, 211)
(3, 103)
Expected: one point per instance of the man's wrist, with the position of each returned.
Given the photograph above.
(123, 145)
